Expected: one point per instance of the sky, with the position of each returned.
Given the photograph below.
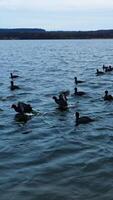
(55, 15)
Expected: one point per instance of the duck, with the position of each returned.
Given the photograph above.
(22, 107)
(13, 76)
(108, 97)
(99, 72)
(61, 101)
(77, 81)
(80, 93)
(82, 120)
(13, 87)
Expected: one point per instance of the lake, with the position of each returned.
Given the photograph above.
(49, 157)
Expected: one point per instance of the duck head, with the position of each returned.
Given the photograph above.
(106, 92)
(75, 78)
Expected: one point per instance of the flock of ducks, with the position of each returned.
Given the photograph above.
(21, 108)
(62, 101)
(109, 68)
(105, 69)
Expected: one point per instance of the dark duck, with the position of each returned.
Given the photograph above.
(99, 72)
(107, 96)
(82, 120)
(14, 87)
(22, 108)
(13, 76)
(61, 101)
(77, 81)
(79, 93)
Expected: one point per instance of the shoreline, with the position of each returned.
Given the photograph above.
(36, 34)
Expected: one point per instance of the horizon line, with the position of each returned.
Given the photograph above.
(104, 29)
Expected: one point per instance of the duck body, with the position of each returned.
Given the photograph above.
(82, 120)
(22, 108)
(79, 93)
(99, 73)
(14, 87)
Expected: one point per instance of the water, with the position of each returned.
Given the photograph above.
(49, 157)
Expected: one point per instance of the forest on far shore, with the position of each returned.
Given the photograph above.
(30, 33)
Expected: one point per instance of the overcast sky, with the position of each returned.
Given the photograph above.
(57, 14)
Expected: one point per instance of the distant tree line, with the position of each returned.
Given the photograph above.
(29, 33)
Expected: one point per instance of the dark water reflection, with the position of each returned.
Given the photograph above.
(49, 157)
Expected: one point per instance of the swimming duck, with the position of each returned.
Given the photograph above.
(77, 81)
(82, 120)
(61, 101)
(22, 108)
(108, 97)
(99, 72)
(13, 87)
(13, 76)
(80, 93)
